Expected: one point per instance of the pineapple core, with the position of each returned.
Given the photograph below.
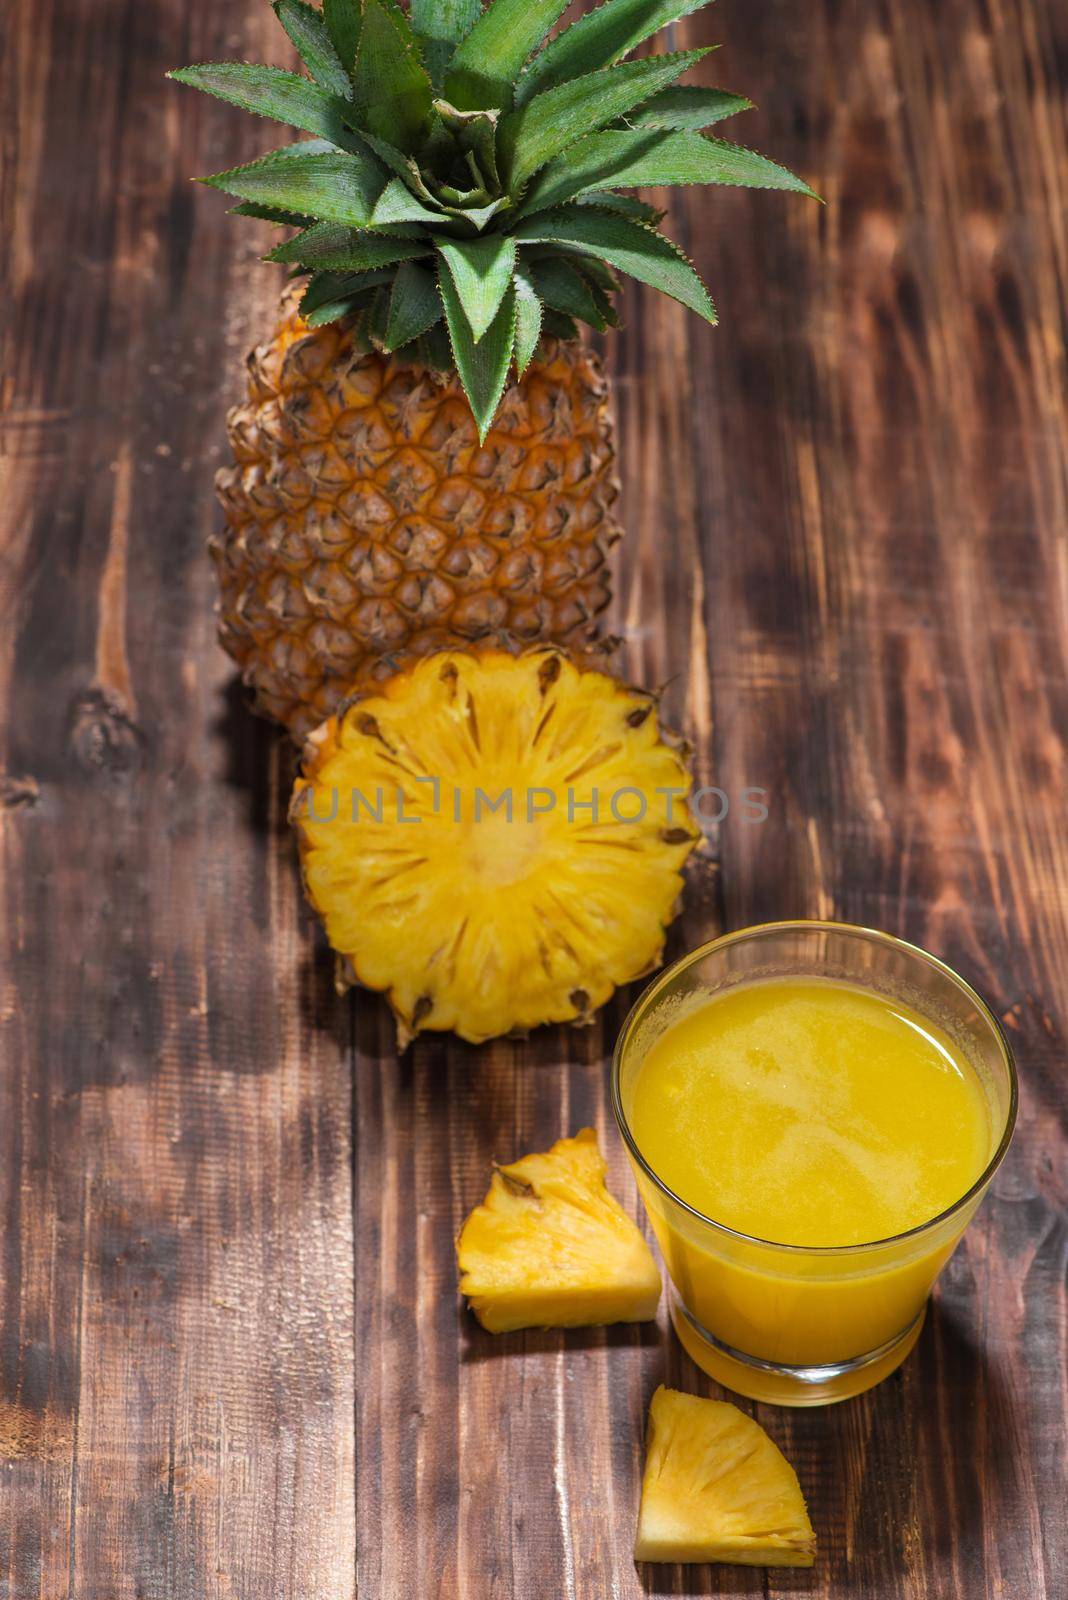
(495, 840)
(550, 1247)
(717, 1489)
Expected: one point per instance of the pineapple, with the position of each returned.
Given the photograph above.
(425, 455)
(550, 1247)
(717, 1489)
(495, 840)
(365, 521)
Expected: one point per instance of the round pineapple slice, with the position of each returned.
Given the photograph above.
(495, 840)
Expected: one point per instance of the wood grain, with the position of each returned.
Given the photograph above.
(232, 1363)
(176, 1368)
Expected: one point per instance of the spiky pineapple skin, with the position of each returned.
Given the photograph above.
(363, 519)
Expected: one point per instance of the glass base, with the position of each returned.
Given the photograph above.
(789, 1386)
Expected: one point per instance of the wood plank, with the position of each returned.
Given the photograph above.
(176, 1383)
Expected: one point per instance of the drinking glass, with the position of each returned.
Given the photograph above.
(793, 1324)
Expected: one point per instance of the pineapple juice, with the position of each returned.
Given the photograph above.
(813, 1113)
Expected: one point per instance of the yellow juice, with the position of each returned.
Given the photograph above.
(807, 1113)
(811, 1113)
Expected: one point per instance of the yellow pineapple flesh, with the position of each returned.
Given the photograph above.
(716, 1488)
(550, 1247)
(363, 517)
(495, 840)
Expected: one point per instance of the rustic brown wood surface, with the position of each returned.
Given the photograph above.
(232, 1363)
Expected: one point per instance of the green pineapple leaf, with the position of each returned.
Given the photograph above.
(346, 304)
(271, 92)
(563, 287)
(466, 138)
(643, 157)
(720, 161)
(559, 325)
(325, 245)
(331, 311)
(481, 272)
(414, 305)
(598, 272)
(527, 321)
(396, 161)
(687, 105)
(602, 294)
(456, 194)
(432, 349)
(308, 31)
(326, 288)
(454, 199)
(547, 124)
(397, 203)
(625, 204)
(343, 20)
(376, 318)
(638, 251)
(333, 185)
(479, 218)
(441, 24)
(439, 200)
(483, 367)
(403, 22)
(281, 219)
(391, 90)
(599, 39)
(487, 61)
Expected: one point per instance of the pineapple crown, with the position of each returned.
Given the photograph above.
(460, 192)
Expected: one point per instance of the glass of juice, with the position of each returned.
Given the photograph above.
(813, 1112)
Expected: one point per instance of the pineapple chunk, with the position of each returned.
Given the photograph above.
(717, 1489)
(549, 1247)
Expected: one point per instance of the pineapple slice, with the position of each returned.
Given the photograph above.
(550, 1247)
(495, 840)
(717, 1489)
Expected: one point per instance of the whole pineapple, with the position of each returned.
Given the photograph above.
(425, 455)
(366, 522)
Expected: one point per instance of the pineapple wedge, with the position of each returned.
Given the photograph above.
(717, 1489)
(550, 1247)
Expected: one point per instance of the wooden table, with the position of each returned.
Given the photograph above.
(232, 1362)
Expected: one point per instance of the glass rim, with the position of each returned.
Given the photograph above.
(855, 930)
